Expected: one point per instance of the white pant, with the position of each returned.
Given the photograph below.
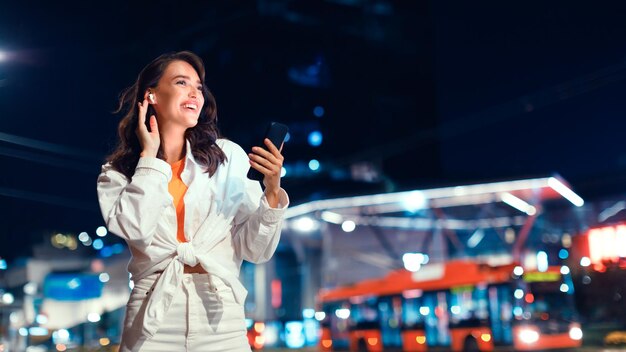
(203, 316)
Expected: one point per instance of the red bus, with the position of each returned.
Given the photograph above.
(458, 306)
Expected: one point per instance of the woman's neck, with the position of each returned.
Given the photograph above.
(173, 146)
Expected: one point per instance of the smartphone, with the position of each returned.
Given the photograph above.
(276, 133)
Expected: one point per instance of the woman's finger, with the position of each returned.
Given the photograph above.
(263, 161)
(143, 107)
(265, 171)
(154, 127)
(272, 148)
(265, 154)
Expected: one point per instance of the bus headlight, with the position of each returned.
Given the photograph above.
(528, 336)
(575, 333)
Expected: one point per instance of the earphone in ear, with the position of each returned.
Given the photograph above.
(151, 97)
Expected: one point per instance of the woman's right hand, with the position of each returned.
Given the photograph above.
(149, 140)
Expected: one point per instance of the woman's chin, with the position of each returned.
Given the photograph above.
(192, 122)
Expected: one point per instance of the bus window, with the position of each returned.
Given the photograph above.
(435, 312)
(411, 317)
(548, 301)
(364, 313)
(501, 314)
(337, 314)
(390, 309)
(468, 306)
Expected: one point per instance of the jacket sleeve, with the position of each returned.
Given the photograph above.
(257, 226)
(132, 210)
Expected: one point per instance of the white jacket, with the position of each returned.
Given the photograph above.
(227, 220)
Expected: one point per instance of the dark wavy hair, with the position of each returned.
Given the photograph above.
(202, 137)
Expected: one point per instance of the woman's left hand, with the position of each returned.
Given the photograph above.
(270, 164)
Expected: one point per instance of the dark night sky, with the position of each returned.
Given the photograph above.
(430, 93)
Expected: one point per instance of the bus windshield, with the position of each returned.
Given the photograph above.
(545, 300)
(548, 301)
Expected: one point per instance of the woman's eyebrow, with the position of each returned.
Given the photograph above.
(185, 77)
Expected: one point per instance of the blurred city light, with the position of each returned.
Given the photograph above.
(585, 261)
(117, 248)
(348, 226)
(58, 240)
(8, 298)
(518, 203)
(101, 231)
(564, 288)
(575, 333)
(74, 283)
(83, 237)
(93, 317)
(30, 288)
(3, 56)
(3, 264)
(308, 313)
(476, 237)
(283, 172)
(37, 331)
(563, 253)
(565, 192)
(98, 244)
(342, 313)
(319, 316)
(15, 318)
(414, 261)
(305, 224)
(529, 336)
(104, 277)
(61, 336)
(519, 293)
(41, 319)
(315, 138)
(509, 235)
(332, 217)
(314, 165)
(294, 334)
(542, 261)
(106, 252)
(318, 111)
(424, 310)
(271, 334)
(518, 270)
(566, 240)
(414, 201)
(565, 270)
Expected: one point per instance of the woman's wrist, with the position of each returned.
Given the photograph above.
(272, 196)
(147, 153)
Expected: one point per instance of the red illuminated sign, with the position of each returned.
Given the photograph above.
(607, 243)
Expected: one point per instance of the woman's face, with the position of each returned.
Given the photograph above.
(178, 97)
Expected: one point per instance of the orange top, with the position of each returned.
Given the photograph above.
(177, 189)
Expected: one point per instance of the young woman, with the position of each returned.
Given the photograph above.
(179, 196)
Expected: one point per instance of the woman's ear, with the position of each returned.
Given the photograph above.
(150, 96)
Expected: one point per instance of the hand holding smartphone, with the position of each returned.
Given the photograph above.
(276, 133)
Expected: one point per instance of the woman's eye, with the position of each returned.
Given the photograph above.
(181, 82)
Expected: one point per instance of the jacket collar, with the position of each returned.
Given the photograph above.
(189, 154)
